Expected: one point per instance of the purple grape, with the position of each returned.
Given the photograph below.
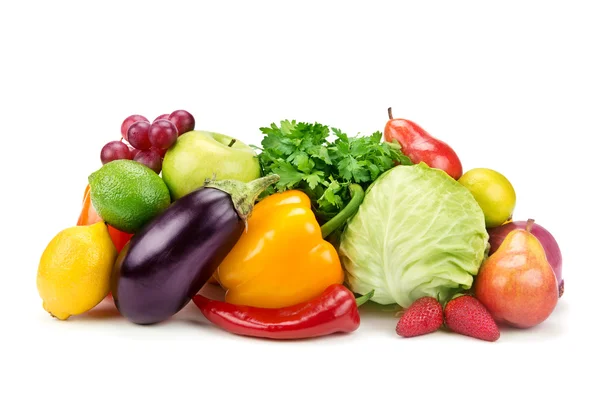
(132, 119)
(150, 159)
(162, 134)
(183, 121)
(163, 116)
(115, 150)
(137, 135)
(161, 152)
(134, 152)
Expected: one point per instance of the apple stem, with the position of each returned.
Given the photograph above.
(390, 113)
(529, 225)
(232, 142)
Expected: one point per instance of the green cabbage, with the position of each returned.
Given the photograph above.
(417, 233)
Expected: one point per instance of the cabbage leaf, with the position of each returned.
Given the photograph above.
(417, 233)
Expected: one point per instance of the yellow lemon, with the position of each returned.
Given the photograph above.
(494, 193)
(74, 271)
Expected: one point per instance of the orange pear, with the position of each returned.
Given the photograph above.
(516, 283)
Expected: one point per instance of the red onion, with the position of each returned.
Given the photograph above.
(550, 245)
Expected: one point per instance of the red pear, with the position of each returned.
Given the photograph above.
(516, 283)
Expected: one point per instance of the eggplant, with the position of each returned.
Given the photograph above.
(164, 265)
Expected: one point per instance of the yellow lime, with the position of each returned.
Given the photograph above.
(494, 193)
(74, 271)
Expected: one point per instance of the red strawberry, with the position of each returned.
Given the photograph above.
(467, 316)
(423, 316)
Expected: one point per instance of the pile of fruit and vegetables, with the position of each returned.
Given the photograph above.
(299, 231)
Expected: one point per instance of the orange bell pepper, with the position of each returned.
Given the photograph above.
(282, 258)
(89, 216)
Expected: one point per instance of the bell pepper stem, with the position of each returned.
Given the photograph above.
(357, 194)
(364, 298)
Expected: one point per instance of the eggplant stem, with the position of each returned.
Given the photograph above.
(243, 195)
(357, 194)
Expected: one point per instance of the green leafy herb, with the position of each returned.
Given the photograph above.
(323, 162)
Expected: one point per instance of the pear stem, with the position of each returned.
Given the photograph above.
(232, 142)
(390, 113)
(529, 225)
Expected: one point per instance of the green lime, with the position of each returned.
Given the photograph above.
(127, 194)
(494, 193)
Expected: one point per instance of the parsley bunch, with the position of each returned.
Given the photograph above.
(306, 157)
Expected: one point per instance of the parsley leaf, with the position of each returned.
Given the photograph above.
(289, 177)
(324, 161)
(314, 179)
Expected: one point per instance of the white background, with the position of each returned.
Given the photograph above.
(514, 87)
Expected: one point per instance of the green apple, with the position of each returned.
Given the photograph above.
(200, 155)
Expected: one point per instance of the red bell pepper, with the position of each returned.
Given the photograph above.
(335, 310)
(89, 216)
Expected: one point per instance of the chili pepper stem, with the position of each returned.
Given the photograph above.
(364, 298)
(243, 195)
(357, 194)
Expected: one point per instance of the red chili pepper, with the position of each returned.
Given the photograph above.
(335, 310)
(419, 146)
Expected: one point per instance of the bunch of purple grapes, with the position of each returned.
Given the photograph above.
(147, 142)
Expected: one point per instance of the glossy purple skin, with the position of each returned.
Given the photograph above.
(553, 254)
(173, 256)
